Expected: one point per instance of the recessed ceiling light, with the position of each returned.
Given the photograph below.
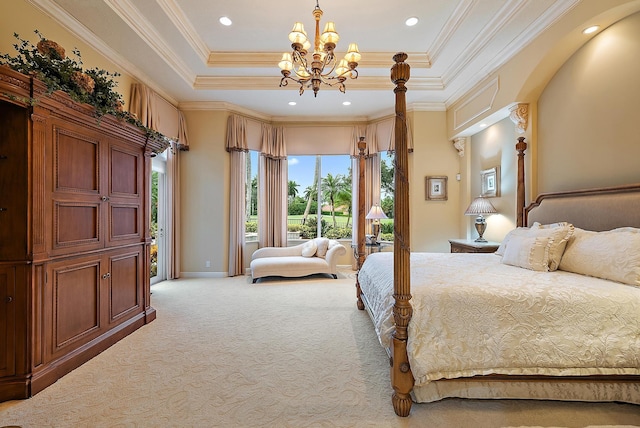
(410, 22)
(292, 103)
(346, 103)
(590, 30)
(224, 20)
(483, 125)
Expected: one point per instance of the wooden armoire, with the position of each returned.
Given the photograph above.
(74, 233)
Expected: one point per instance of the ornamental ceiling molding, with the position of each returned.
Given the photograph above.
(459, 144)
(519, 114)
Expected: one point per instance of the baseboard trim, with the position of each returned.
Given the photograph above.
(204, 274)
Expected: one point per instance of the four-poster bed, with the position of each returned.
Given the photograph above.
(509, 315)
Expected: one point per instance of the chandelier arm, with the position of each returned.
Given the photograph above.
(311, 74)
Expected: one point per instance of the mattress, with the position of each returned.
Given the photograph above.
(473, 315)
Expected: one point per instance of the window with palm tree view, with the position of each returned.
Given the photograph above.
(328, 176)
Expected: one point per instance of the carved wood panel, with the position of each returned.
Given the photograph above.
(125, 292)
(7, 320)
(13, 182)
(76, 302)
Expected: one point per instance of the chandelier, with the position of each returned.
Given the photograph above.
(324, 68)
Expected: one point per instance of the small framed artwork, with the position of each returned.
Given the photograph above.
(436, 188)
(490, 179)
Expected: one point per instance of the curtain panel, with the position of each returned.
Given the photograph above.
(272, 188)
(237, 148)
(173, 212)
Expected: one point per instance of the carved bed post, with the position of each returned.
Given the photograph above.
(401, 376)
(521, 146)
(362, 145)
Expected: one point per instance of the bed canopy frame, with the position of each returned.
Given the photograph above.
(402, 379)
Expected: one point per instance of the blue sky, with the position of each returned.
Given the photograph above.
(301, 168)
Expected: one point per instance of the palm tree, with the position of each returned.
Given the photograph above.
(331, 187)
(311, 192)
(293, 190)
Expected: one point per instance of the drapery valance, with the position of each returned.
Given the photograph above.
(370, 134)
(273, 143)
(236, 133)
(158, 114)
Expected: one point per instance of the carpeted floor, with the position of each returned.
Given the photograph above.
(279, 353)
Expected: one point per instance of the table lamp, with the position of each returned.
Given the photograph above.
(375, 214)
(480, 207)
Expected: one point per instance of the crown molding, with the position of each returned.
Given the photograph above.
(454, 22)
(376, 83)
(68, 22)
(510, 9)
(141, 26)
(230, 59)
(183, 25)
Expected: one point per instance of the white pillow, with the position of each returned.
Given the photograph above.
(558, 233)
(612, 255)
(561, 233)
(322, 245)
(309, 248)
(529, 252)
(520, 231)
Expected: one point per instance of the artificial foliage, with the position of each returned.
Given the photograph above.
(48, 62)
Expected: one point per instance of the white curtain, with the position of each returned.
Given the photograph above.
(272, 188)
(237, 148)
(173, 212)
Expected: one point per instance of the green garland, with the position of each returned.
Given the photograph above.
(47, 61)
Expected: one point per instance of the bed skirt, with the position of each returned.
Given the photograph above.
(556, 389)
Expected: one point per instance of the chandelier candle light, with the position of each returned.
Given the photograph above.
(324, 66)
(480, 207)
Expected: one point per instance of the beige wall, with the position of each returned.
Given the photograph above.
(19, 16)
(204, 175)
(494, 147)
(433, 223)
(589, 112)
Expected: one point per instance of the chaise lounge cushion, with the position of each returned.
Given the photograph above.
(291, 262)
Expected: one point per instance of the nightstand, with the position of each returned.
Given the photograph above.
(471, 246)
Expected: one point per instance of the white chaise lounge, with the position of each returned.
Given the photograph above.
(319, 255)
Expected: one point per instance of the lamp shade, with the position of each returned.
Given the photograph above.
(480, 206)
(375, 213)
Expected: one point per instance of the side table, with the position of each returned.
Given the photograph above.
(471, 246)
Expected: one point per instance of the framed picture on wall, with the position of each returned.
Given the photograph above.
(436, 188)
(490, 179)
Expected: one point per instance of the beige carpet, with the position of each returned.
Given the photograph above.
(279, 353)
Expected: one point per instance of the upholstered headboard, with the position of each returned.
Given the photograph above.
(593, 209)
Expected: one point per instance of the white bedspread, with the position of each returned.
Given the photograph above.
(475, 316)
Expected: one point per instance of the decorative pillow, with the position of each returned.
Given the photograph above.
(558, 233)
(529, 252)
(333, 243)
(309, 248)
(561, 233)
(323, 246)
(612, 255)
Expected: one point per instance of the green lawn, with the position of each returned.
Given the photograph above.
(340, 220)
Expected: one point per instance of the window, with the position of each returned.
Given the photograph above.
(251, 228)
(330, 177)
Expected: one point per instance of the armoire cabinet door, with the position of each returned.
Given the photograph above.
(13, 182)
(124, 207)
(74, 293)
(78, 193)
(125, 283)
(7, 321)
